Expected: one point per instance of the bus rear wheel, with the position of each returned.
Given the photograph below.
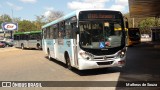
(22, 46)
(38, 46)
(49, 55)
(68, 63)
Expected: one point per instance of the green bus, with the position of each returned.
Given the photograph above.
(30, 39)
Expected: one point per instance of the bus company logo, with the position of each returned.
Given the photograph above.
(105, 57)
(10, 26)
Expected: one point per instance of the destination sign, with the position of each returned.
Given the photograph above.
(100, 16)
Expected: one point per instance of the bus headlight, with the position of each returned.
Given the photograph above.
(121, 54)
(84, 55)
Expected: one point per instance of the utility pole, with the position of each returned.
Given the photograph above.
(12, 21)
(133, 22)
(3, 30)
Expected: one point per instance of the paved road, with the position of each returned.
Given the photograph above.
(31, 65)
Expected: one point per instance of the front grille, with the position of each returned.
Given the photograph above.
(105, 63)
(102, 58)
(98, 58)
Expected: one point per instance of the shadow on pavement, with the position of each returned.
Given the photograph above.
(143, 64)
(88, 72)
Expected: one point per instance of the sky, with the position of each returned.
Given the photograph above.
(29, 9)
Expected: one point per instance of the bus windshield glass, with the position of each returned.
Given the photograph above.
(101, 29)
(100, 34)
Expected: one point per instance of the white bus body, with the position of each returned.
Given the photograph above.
(86, 53)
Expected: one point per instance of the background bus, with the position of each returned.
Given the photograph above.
(86, 39)
(30, 39)
(133, 36)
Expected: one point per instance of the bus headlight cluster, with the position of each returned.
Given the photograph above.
(85, 55)
(121, 54)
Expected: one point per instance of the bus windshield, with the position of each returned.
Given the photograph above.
(100, 34)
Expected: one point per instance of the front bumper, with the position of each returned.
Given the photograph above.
(92, 64)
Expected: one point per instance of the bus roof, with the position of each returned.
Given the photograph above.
(31, 32)
(60, 19)
(74, 13)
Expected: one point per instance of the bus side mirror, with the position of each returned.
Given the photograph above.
(126, 24)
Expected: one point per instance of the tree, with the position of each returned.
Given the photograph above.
(26, 25)
(5, 18)
(54, 15)
(39, 22)
(146, 24)
(16, 19)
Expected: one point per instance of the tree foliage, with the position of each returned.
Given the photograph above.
(5, 18)
(26, 25)
(39, 22)
(54, 15)
(146, 24)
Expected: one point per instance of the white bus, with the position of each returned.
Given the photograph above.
(86, 39)
(30, 39)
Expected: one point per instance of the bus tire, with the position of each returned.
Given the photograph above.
(38, 46)
(22, 46)
(49, 54)
(68, 62)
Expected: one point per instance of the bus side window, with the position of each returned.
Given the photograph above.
(54, 31)
(74, 30)
(27, 37)
(45, 33)
(68, 30)
(31, 36)
(61, 32)
(48, 32)
(51, 32)
(17, 37)
(21, 37)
